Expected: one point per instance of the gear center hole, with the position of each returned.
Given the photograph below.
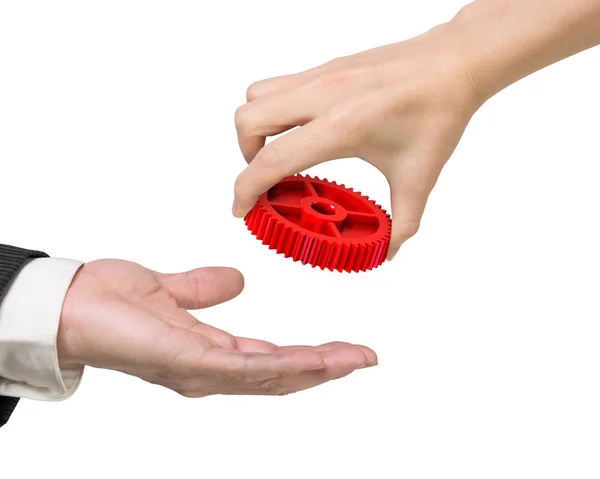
(323, 208)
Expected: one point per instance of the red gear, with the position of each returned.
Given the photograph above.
(322, 223)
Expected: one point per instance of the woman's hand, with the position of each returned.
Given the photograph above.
(122, 316)
(402, 108)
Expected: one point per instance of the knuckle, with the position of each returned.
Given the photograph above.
(179, 384)
(336, 62)
(228, 341)
(282, 391)
(331, 79)
(224, 339)
(273, 387)
(268, 157)
(349, 124)
(407, 229)
(246, 377)
(188, 393)
(195, 287)
(242, 117)
(253, 91)
(339, 74)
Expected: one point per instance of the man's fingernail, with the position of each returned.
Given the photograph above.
(368, 364)
(372, 362)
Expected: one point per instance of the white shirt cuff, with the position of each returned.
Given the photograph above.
(29, 317)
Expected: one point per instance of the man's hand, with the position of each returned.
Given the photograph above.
(119, 315)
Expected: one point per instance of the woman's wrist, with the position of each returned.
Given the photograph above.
(496, 44)
(503, 41)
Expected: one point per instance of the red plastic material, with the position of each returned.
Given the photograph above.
(322, 224)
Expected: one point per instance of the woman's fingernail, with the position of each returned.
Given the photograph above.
(235, 210)
(393, 252)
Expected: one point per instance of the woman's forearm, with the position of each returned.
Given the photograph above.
(502, 41)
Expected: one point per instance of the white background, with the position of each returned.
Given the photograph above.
(117, 140)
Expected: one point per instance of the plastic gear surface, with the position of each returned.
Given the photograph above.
(321, 223)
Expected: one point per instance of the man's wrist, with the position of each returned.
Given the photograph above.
(29, 364)
(64, 337)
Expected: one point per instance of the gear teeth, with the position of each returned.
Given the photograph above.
(335, 254)
(352, 251)
(285, 233)
(268, 232)
(262, 226)
(290, 244)
(276, 235)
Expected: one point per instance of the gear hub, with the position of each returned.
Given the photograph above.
(321, 223)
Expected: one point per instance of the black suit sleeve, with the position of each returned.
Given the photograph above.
(12, 259)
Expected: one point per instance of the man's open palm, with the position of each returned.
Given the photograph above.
(119, 315)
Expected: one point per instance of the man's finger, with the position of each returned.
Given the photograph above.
(249, 345)
(248, 367)
(182, 319)
(203, 287)
(369, 354)
(339, 362)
